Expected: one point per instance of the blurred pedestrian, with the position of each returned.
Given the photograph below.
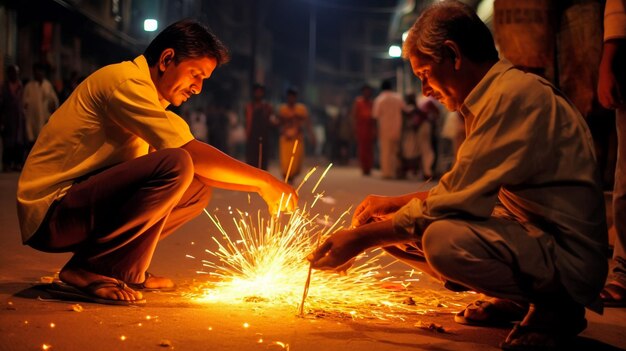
(365, 128)
(612, 95)
(40, 100)
(427, 136)
(416, 139)
(217, 118)
(452, 134)
(12, 120)
(260, 120)
(199, 125)
(387, 110)
(294, 121)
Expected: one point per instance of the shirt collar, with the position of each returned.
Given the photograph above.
(142, 64)
(476, 97)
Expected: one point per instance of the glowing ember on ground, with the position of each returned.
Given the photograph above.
(264, 261)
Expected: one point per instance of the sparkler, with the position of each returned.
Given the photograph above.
(263, 261)
(293, 153)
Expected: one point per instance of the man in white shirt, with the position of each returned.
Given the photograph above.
(40, 100)
(612, 94)
(387, 110)
(91, 186)
(520, 217)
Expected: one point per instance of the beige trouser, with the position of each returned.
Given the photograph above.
(496, 257)
(389, 157)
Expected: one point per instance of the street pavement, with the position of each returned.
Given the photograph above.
(31, 320)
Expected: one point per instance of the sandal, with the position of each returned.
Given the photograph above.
(613, 295)
(68, 292)
(491, 313)
(144, 288)
(542, 338)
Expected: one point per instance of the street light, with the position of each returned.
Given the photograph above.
(150, 25)
(395, 51)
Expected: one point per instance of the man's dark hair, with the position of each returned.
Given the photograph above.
(450, 20)
(256, 86)
(385, 85)
(189, 39)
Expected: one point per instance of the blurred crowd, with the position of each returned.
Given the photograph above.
(409, 136)
(406, 137)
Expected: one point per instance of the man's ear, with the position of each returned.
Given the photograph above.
(166, 58)
(452, 49)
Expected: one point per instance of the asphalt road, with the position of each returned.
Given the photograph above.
(28, 321)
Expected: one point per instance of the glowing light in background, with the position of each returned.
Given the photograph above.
(395, 51)
(150, 25)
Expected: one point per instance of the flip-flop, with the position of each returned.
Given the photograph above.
(543, 338)
(496, 315)
(142, 286)
(613, 295)
(67, 292)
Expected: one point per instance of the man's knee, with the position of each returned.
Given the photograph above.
(176, 163)
(197, 195)
(445, 244)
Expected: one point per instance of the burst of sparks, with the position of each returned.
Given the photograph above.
(264, 261)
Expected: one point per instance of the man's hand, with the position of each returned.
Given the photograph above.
(374, 209)
(338, 251)
(276, 191)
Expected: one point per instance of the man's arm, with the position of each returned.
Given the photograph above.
(376, 207)
(220, 170)
(341, 247)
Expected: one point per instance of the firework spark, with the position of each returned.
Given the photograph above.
(264, 261)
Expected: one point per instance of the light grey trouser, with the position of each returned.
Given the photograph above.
(496, 257)
(619, 199)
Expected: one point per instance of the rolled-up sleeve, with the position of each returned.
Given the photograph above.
(615, 19)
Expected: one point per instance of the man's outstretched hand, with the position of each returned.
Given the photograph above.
(279, 196)
(338, 251)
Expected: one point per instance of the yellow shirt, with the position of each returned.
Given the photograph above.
(292, 119)
(113, 116)
(529, 148)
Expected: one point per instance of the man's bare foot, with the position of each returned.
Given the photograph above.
(154, 282)
(81, 279)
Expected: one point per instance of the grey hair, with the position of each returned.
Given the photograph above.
(450, 20)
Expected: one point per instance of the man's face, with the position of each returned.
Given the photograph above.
(439, 80)
(179, 81)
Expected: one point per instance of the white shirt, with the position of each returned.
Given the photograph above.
(528, 147)
(39, 100)
(387, 109)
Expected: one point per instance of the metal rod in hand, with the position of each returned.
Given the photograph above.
(308, 279)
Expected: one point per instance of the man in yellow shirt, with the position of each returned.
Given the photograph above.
(294, 120)
(520, 217)
(91, 186)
